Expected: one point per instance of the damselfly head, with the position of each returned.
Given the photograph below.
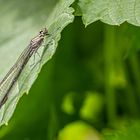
(43, 32)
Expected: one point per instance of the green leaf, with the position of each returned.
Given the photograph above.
(20, 22)
(113, 12)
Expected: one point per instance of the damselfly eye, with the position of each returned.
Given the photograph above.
(40, 31)
(43, 32)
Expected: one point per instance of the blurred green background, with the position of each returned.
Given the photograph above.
(89, 89)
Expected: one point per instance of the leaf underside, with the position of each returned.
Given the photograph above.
(113, 12)
(57, 19)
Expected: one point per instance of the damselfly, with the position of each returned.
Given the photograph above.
(12, 76)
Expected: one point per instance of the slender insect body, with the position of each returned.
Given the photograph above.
(16, 70)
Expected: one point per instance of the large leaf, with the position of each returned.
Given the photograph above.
(113, 12)
(20, 21)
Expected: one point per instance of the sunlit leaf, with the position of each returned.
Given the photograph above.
(113, 12)
(18, 25)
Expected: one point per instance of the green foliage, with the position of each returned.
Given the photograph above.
(93, 76)
(130, 132)
(79, 131)
(57, 20)
(110, 11)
